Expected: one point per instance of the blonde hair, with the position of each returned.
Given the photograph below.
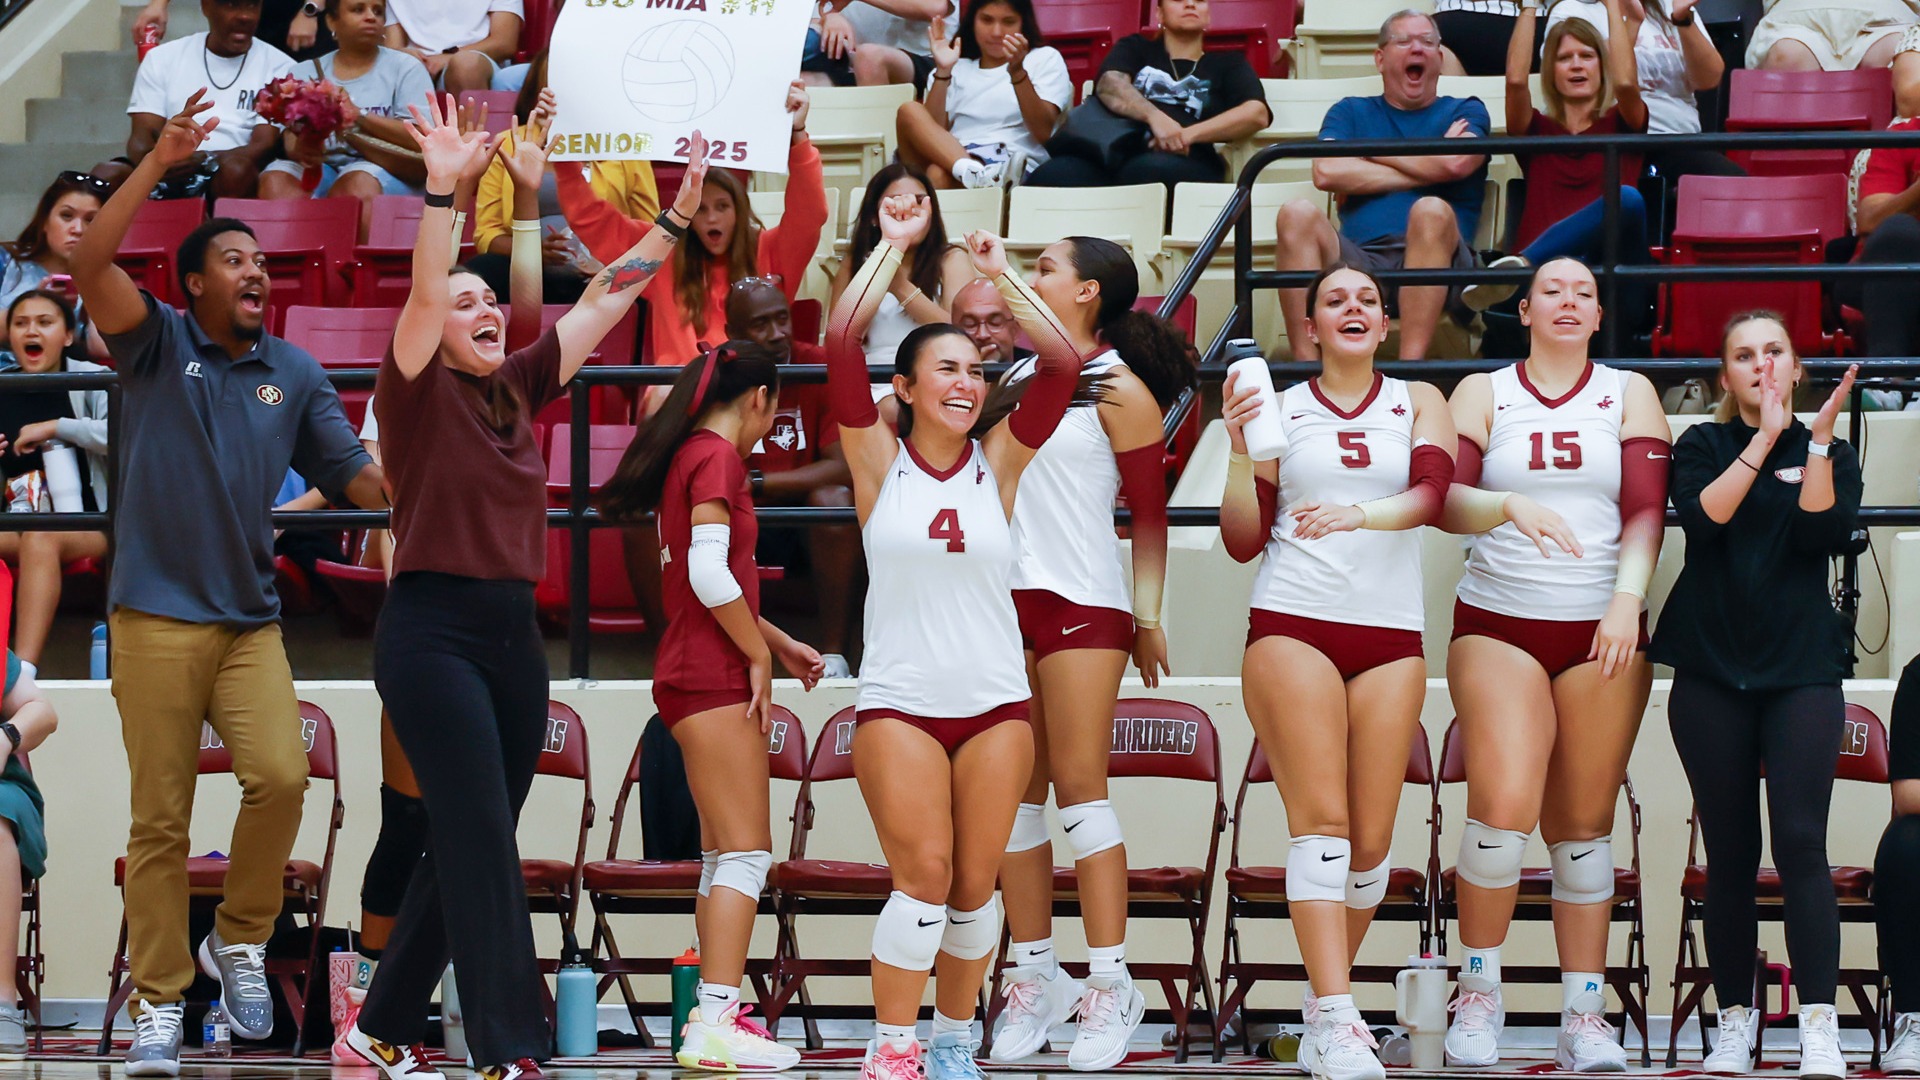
(1582, 31)
(1728, 408)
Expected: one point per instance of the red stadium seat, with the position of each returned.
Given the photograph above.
(1863, 760)
(382, 267)
(1259, 28)
(152, 241)
(610, 404)
(358, 590)
(308, 243)
(629, 886)
(536, 28)
(1084, 30)
(302, 978)
(1859, 100)
(500, 104)
(344, 338)
(606, 444)
(1744, 220)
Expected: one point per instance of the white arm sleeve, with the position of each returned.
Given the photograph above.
(707, 568)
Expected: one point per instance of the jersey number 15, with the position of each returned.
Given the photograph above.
(1566, 450)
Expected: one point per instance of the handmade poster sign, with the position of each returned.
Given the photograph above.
(636, 78)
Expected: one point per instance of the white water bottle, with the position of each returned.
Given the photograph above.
(1266, 438)
(1420, 1004)
(62, 467)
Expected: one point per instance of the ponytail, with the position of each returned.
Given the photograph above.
(1156, 351)
(717, 377)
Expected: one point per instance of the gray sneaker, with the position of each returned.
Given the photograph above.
(13, 1033)
(242, 971)
(156, 1040)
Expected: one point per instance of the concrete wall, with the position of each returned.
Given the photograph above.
(30, 51)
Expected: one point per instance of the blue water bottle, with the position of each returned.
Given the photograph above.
(576, 1005)
(97, 655)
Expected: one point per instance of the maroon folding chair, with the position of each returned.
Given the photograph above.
(1863, 759)
(553, 885)
(1859, 100)
(30, 961)
(303, 979)
(1260, 892)
(500, 104)
(152, 241)
(617, 886)
(1085, 30)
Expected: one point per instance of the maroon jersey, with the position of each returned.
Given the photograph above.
(695, 652)
(802, 426)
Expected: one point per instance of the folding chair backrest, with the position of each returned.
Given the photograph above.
(606, 445)
(1419, 762)
(1863, 748)
(565, 752)
(1161, 738)
(1183, 316)
(1299, 105)
(771, 206)
(332, 225)
(395, 221)
(316, 731)
(787, 747)
(1196, 206)
(152, 241)
(1733, 207)
(499, 104)
(833, 754)
(342, 337)
(1453, 755)
(1122, 17)
(1354, 15)
(1859, 100)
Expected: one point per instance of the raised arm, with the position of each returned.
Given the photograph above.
(1519, 66)
(1623, 70)
(1013, 441)
(1830, 491)
(869, 444)
(525, 161)
(447, 153)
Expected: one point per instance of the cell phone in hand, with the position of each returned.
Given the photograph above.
(59, 283)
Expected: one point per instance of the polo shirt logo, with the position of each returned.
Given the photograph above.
(269, 394)
(193, 369)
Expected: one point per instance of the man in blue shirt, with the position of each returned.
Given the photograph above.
(1395, 212)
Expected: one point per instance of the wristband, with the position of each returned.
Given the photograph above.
(909, 297)
(948, 77)
(1145, 624)
(1743, 460)
(673, 228)
(1819, 449)
(12, 733)
(440, 202)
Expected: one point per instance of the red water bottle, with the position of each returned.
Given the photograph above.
(146, 39)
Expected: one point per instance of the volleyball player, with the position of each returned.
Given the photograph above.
(1079, 626)
(714, 667)
(1335, 673)
(942, 750)
(1544, 669)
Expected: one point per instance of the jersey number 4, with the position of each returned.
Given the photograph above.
(946, 526)
(1353, 450)
(1566, 450)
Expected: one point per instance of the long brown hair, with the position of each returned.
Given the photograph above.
(741, 367)
(692, 265)
(923, 268)
(32, 241)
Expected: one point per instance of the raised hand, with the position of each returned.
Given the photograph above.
(182, 136)
(447, 151)
(1823, 420)
(989, 253)
(526, 156)
(1241, 405)
(945, 50)
(799, 104)
(904, 219)
(1776, 406)
(687, 202)
(1016, 46)
(1542, 526)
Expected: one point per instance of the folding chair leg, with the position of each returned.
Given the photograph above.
(119, 989)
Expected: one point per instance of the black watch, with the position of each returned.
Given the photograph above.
(11, 733)
(1685, 19)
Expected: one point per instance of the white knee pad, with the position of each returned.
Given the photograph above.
(1583, 870)
(971, 935)
(1366, 888)
(1029, 828)
(745, 872)
(709, 862)
(1317, 868)
(907, 934)
(1091, 828)
(1490, 857)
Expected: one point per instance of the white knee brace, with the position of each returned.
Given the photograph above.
(971, 935)
(1490, 857)
(745, 872)
(1583, 870)
(907, 934)
(1366, 888)
(709, 862)
(1317, 868)
(1091, 827)
(1029, 828)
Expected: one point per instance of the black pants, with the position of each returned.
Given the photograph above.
(1152, 167)
(1893, 319)
(462, 670)
(1896, 868)
(1724, 736)
(557, 286)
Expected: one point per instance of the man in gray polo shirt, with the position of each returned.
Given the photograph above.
(213, 411)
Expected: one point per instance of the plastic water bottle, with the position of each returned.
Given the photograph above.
(1266, 437)
(216, 1035)
(576, 1006)
(686, 990)
(97, 653)
(1284, 1048)
(61, 463)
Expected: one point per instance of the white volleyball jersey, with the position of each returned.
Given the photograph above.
(1364, 577)
(941, 635)
(1563, 453)
(1063, 514)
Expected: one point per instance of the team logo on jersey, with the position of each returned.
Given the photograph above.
(1399, 410)
(1791, 475)
(979, 476)
(1605, 402)
(269, 394)
(1155, 735)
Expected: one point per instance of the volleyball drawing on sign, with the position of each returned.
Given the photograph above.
(679, 71)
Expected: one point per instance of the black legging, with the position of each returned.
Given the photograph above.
(1896, 867)
(1724, 736)
(461, 667)
(402, 839)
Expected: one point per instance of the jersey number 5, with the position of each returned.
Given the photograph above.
(1355, 454)
(1566, 450)
(946, 526)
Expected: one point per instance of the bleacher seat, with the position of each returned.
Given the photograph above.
(1338, 39)
(308, 243)
(147, 252)
(1263, 29)
(499, 104)
(771, 206)
(1806, 101)
(613, 609)
(344, 338)
(1195, 208)
(856, 130)
(1132, 216)
(1298, 105)
(967, 209)
(381, 272)
(1085, 30)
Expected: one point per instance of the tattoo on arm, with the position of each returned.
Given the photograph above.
(628, 274)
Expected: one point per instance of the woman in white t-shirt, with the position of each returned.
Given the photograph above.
(992, 101)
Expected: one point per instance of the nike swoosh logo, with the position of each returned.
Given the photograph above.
(1048, 949)
(1072, 827)
(1484, 846)
(962, 922)
(1329, 858)
(1365, 884)
(1075, 629)
(1582, 855)
(927, 922)
(1651, 456)
(1296, 416)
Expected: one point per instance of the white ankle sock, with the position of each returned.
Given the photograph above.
(946, 1025)
(1037, 955)
(1108, 962)
(897, 1037)
(716, 1000)
(1583, 992)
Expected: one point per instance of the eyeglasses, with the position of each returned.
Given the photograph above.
(85, 180)
(991, 322)
(1402, 41)
(757, 280)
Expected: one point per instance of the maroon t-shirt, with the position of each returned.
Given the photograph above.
(695, 651)
(467, 499)
(1560, 184)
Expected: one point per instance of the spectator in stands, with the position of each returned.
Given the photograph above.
(1188, 98)
(686, 301)
(42, 249)
(873, 42)
(931, 270)
(375, 156)
(40, 331)
(996, 92)
(1828, 35)
(194, 619)
(227, 65)
(626, 185)
(1395, 212)
(26, 719)
(1906, 74)
(983, 315)
(295, 27)
(1476, 33)
(1887, 222)
(462, 42)
(1896, 878)
(1565, 212)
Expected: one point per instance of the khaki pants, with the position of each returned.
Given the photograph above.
(168, 677)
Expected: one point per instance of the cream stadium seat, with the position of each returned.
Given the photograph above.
(855, 128)
(770, 206)
(1337, 39)
(1299, 105)
(1195, 208)
(1133, 216)
(965, 209)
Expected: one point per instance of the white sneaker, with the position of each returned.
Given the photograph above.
(1903, 1054)
(1036, 1004)
(1473, 1039)
(1110, 1012)
(394, 1062)
(835, 666)
(1013, 171)
(733, 1044)
(1309, 1019)
(971, 172)
(1820, 1056)
(1341, 1049)
(886, 1063)
(1588, 1044)
(1737, 1044)
(1480, 297)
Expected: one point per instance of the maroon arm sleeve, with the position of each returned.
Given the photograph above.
(1644, 469)
(849, 394)
(1466, 462)
(1143, 482)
